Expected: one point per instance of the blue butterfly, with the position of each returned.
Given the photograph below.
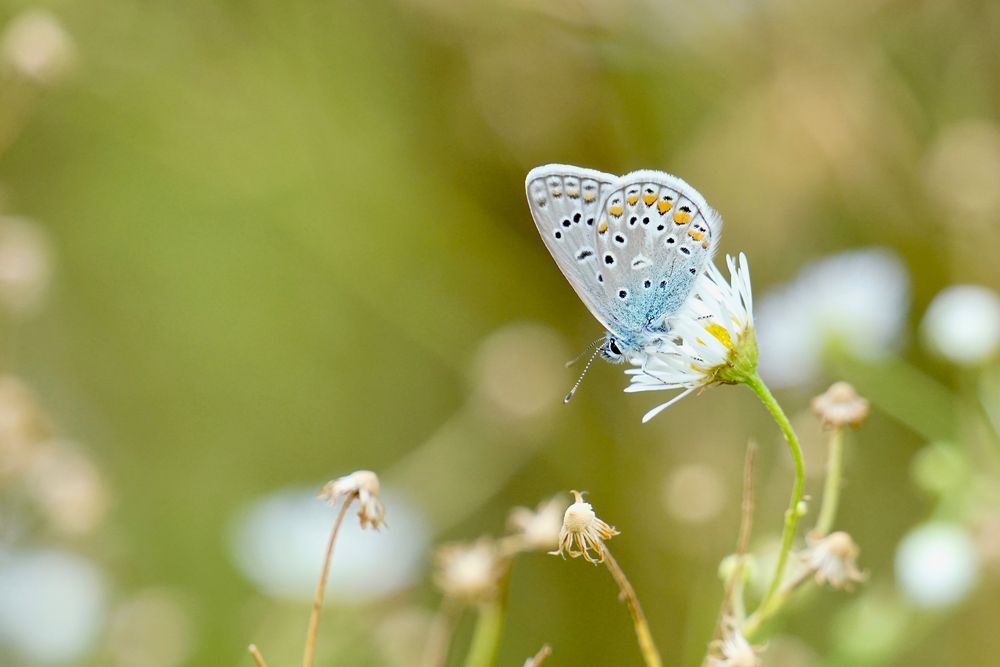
(631, 246)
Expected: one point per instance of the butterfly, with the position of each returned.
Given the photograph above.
(631, 246)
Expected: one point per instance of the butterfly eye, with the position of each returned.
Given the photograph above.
(613, 346)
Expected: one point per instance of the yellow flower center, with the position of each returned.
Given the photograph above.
(721, 334)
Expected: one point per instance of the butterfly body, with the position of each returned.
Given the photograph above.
(631, 246)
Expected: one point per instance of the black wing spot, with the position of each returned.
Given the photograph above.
(590, 222)
(558, 235)
(685, 250)
(670, 239)
(686, 209)
(600, 278)
(565, 222)
(649, 191)
(584, 254)
(645, 221)
(622, 293)
(609, 259)
(692, 271)
(663, 284)
(619, 238)
(576, 217)
(647, 284)
(632, 220)
(659, 228)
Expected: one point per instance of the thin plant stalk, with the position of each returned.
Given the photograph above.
(792, 513)
(439, 635)
(831, 489)
(310, 650)
(539, 658)
(756, 622)
(650, 655)
(486, 637)
(732, 600)
(256, 655)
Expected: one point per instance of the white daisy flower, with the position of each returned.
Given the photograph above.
(713, 339)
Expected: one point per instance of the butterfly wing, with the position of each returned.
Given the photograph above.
(655, 235)
(566, 203)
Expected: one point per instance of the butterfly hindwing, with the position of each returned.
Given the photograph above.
(661, 233)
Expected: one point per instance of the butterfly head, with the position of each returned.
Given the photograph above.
(612, 350)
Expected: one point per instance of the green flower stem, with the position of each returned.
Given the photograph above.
(650, 654)
(831, 490)
(755, 622)
(486, 638)
(753, 381)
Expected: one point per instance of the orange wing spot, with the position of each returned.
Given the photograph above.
(704, 244)
(557, 193)
(540, 201)
(664, 206)
(649, 199)
(589, 197)
(632, 199)
(682, 217)
(603, 227)
(697, 236)
(573, 194)
(616, 211)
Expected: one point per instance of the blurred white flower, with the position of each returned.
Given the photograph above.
(150, 629)
(278, 543)
(52, 605)
(36, 46)
(470, 572)
(855, 301)
(962, 324)
(712, 338)
(68, 487)
(936, 565)
(538, 529)
(25, 265)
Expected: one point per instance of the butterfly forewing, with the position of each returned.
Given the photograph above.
(566, 203)
(637, 248)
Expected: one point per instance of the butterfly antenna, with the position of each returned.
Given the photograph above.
(582, 375)
(585, 352)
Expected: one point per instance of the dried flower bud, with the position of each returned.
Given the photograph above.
(733, 650)
(582, 532)
(840, 406)
(834, 559)
(363, 485)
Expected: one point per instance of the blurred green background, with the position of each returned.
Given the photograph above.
(288, 240)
